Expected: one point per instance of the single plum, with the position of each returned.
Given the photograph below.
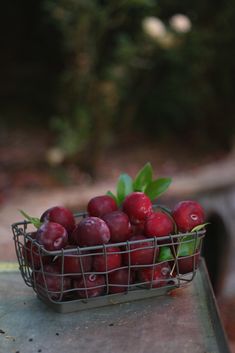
(187, 215)
(50, 283)
(32, 255)
(120, 280)
(61, 215)
(141, 253)
(100, 205)
(119, 226)
(91, 231)
(137, 206)
(188, 264)
(75, 263)
(93, 286)
(158, 224)
(158, 276)
(109, 261)
(53, 236)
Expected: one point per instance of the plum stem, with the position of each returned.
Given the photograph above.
(35, 221)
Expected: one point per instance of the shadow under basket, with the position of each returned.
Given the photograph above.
(69, 279)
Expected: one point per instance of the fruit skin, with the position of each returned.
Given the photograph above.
(52, 236)
(74, 263)
(113, 260)
(120, 277)
(138, 254)
(186, 264)
(91, 281)
(137, 206)
(32, 255)
(187, 215)
(100, 205)
(54, 282)
(91, 231)
(119, 226)
(61, 215)
(158, 224)
(160, 275)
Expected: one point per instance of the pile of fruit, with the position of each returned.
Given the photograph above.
(123, 242)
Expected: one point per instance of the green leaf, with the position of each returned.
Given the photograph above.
(165, 254)
(124, 187)
(157, 187)
(109, 193)
(199, 227)
(143, 177)
(35, 221)
(187, 247)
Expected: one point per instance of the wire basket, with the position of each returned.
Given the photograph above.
(88, 277)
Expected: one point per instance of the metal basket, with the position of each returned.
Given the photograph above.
(66, 291)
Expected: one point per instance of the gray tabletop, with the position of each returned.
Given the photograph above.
(187, 320)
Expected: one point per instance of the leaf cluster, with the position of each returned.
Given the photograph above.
(143, 182)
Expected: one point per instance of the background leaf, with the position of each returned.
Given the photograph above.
(157, 187)
(143, 177)
(124, 187)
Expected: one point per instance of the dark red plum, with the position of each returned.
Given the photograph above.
(119, 280)
(109, 261)
(91, 231)
(187, 215)
(93, 286)
(51, 283)
(141, 253)
(100, 205)
(159, 274)
(32, 255)
(61, 215)
(75, 263)
(119, 226)
(188, 264)
(158, 224)
(52, 236)
(137, 206)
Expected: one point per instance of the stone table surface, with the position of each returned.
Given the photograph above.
(186, 320)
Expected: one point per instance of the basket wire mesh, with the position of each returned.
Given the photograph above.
(74, 286)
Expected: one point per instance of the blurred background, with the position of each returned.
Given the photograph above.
(92, 88)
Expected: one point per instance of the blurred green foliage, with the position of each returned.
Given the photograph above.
(115, 78)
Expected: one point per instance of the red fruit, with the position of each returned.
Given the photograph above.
(95, 285)
(141, 253)
(100, 205)
(119, 226)
(32, 255)
(187, 215)
(137, 229)
(52, 236)
(61, 215)
(91, 231)
(120, 280)
(158, 224)
(108, 262)
(188, 264)
(52, 283)
(76, 263)
(137, 206)
(159, 274)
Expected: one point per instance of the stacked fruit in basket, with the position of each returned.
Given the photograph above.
(123, 241)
